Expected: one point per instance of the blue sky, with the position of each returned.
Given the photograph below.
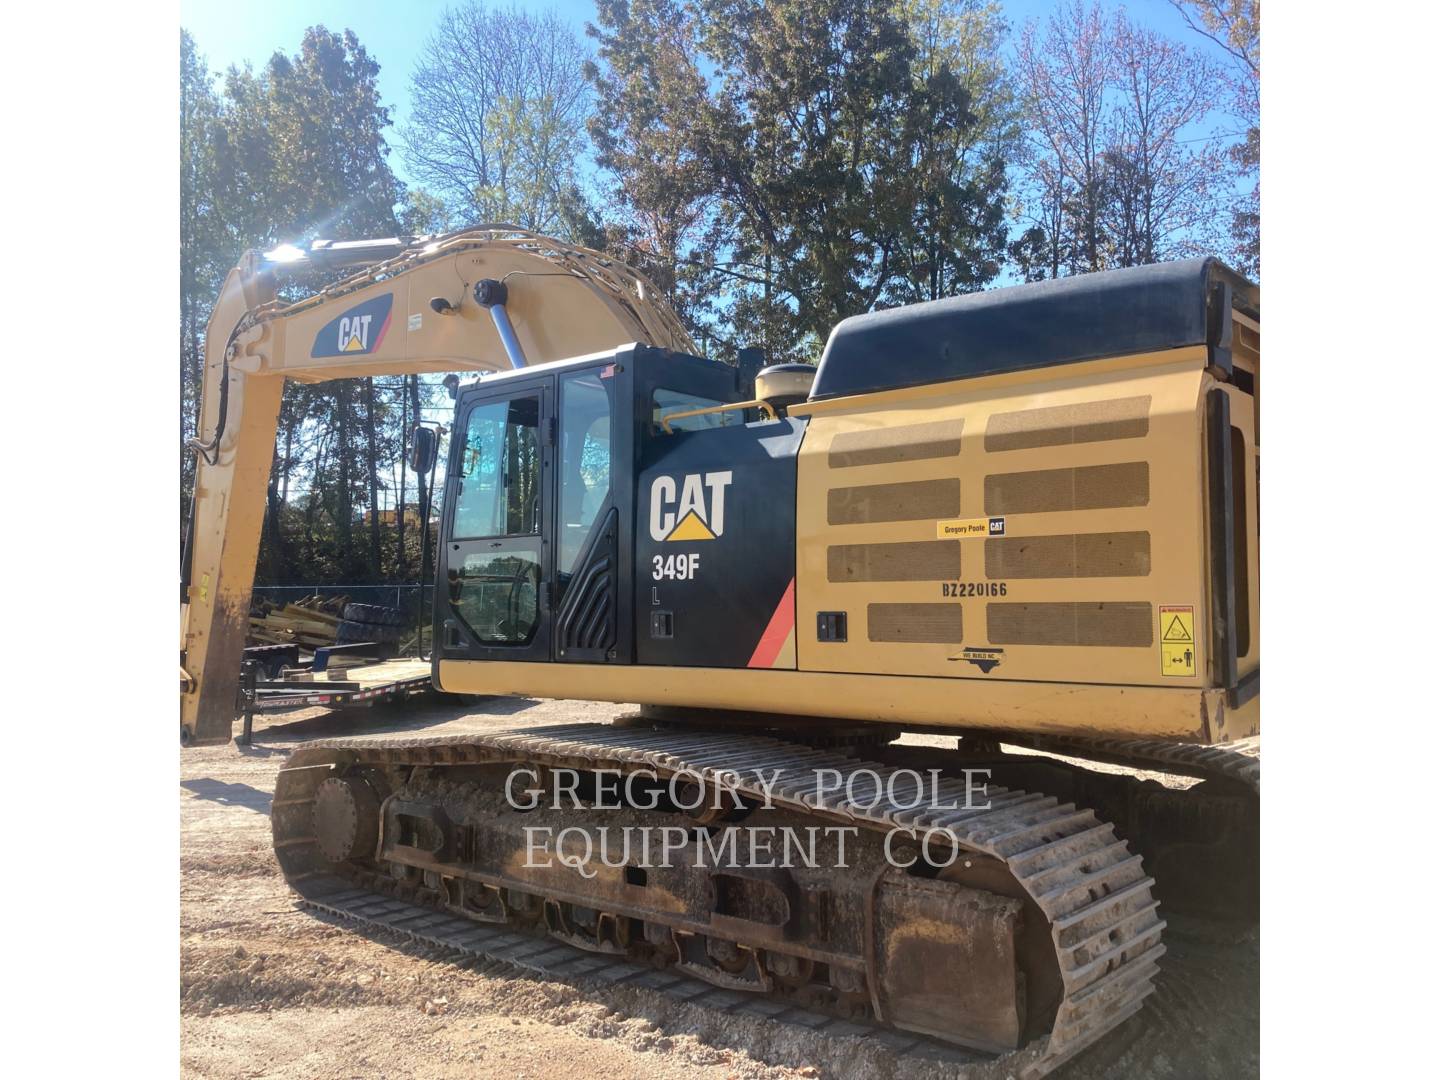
(394, 33)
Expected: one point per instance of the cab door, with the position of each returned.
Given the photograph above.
(591, 492)
(499, 513)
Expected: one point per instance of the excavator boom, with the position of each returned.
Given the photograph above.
(487, 298)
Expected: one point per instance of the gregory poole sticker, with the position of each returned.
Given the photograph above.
(967, 528)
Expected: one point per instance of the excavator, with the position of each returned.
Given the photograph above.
(1022, 525)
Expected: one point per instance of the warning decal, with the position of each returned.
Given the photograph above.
(1177, 641)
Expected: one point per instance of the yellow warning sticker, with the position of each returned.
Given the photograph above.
(1177, 641)
(967, 528)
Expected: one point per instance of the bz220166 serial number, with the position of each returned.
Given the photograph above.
(972, 588)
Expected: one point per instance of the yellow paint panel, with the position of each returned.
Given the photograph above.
(1071, 586)
(1177, 712)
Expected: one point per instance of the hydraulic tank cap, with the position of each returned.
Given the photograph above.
(783, 385)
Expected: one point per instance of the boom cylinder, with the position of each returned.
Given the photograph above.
(491, 295)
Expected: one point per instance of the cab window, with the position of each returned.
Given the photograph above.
(667, 402)
(496, 591)
(500, 471)
(584, 463)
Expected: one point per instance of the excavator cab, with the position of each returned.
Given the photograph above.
(538, 558)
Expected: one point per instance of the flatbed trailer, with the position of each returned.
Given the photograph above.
(357, 687)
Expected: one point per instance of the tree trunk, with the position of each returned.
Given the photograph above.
(400, 564)
(419, 480)
(372, 476)
(344, 503)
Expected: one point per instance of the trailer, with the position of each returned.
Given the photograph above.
(273, 680)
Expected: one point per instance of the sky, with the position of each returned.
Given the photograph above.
(394, 33)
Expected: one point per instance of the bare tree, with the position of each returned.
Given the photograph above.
(498, 105)
(1161, 187)
(1234, 26)
(1117, 168)
(1063, 77)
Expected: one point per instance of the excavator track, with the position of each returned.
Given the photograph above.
(1238, 762)
(1083, 893)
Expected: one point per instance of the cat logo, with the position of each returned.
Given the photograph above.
(691, 507)
(355, 334)
(358, 332)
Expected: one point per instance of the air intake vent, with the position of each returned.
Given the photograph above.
(912, 501)
(889, 445)
(1084, 555)
(1063, 425)
(916, 623)
(1114, 624)
(921, 560)
(1091, 487)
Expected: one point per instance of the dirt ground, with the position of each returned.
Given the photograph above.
(267, 990)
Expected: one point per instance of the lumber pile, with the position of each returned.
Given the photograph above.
(310, 622)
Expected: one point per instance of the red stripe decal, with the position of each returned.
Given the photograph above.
(380, 337)
(781, 623)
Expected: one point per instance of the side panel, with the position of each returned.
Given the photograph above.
(1066, 708)
(715, 547)
(1031, 527)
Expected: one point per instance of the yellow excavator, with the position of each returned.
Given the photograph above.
(1025, 517)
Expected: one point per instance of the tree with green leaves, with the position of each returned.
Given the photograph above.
(302, 155)
(304, 150)
(288, 152)
(962, 130)
(649, 88)
(204, 244)
(818, 159)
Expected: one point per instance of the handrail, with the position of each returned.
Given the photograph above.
(685, 414)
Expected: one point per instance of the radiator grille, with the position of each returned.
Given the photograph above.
(912, 501)
(1109, 624)
(1090, 487)
(880, 446)
(915, 623)
(1061, 425)
(924, 560)
(1079, 555)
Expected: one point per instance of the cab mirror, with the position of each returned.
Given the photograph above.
(424, 448)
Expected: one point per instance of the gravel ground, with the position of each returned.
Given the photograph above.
(267, 990)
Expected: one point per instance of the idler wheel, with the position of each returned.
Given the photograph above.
(347, 819)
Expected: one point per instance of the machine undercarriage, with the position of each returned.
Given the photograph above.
(960, 907)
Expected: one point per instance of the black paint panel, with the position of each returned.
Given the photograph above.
(720, 614)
